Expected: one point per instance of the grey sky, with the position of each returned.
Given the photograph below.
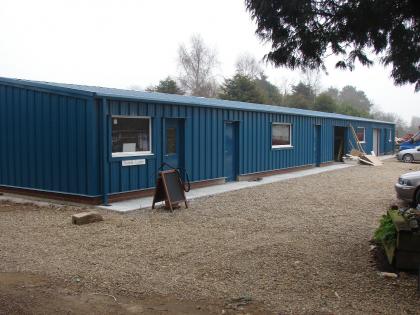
(133, 42)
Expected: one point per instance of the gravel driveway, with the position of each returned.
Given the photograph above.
(297, 246)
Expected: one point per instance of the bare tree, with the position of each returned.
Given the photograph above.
(247, 65)
(312, 78)
(284, 87)
(197, 64)
(401, 125)
(415, 123)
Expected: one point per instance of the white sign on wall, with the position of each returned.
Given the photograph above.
(133, 162)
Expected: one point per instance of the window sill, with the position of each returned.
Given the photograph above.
(118, 157)
(280, 147)
(130, 154)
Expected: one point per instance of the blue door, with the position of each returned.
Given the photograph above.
(317, 146)
(231, 151)
(173, 145)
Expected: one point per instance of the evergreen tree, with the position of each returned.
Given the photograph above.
(348, 109)
(333, 93)
(271, 92)
(241, 88)
(302, 33)
(356, 98)
(302, 96)
(325, 103)
(168, 86)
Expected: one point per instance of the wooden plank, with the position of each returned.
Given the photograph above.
(406, 253)
(390, 252)
(373, 159)
(359, 145)
(399, 221)
(363, 161)
(355, 152)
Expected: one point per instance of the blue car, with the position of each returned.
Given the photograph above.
(409, 145)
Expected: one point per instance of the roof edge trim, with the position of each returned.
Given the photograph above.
(46, 86)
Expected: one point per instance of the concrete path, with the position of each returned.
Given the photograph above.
(146, 202)
(143, 203)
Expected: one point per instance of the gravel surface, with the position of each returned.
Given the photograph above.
(298, 246)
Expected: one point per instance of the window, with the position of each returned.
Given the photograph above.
(360, 132)
(390, 135)
(171, 140)
(281, 135)
(131, 136)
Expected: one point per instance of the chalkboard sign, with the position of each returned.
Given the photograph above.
(169, 188)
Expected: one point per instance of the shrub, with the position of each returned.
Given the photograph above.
(386, 232)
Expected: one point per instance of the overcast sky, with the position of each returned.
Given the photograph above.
(133, 42)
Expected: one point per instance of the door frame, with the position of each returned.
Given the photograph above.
(181, 125)
(345, 130)
(378, 141)
(236, 126)
(317, 144)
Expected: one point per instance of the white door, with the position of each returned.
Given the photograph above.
(375, 142)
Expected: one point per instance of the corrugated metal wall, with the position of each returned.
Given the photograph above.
(48, 141)
(204, 134)
(51, 141)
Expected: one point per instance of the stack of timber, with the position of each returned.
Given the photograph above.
(352, 158)
(405, 254)
(370, 159)
(349, 159)
(359, 152)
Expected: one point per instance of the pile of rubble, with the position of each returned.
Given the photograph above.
(358, 155)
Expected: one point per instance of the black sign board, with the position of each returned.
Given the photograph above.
(169, 188)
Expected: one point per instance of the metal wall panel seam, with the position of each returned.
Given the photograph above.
(104, 144)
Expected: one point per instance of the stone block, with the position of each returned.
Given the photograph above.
(86, 217)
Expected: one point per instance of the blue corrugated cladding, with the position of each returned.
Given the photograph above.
(204, 132)
(48, 141)
(51, 140)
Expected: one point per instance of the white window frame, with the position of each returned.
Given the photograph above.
(281, 146)
(364, 134)
(136, 153)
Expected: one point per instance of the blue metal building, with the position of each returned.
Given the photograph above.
(93, 144)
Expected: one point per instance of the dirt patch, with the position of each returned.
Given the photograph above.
(24, 293)
(301, 246)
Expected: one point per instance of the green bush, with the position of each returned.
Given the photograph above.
(386, 232)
